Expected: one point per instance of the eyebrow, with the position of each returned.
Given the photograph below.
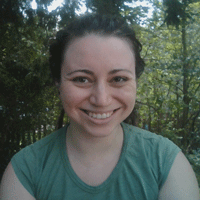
(91, 73)
(81, 70)
(119, 70)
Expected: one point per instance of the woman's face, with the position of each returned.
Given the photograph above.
(98, 86)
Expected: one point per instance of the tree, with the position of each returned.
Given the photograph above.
(162, 94)
(178, 13)
(24, 72)
(118, 8)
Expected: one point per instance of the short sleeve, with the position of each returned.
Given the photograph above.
(24, 165)
(166, 154)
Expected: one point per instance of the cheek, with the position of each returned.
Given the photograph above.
(128, 93)
(128, 96)
(131, 98)
(71, 97)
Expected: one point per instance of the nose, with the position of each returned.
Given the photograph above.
(101, 95)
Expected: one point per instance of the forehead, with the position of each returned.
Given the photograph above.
(99, 53)
(100, 43)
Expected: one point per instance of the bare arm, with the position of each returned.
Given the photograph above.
(181, 183)
(11, 188)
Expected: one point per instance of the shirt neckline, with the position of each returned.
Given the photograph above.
(92, 189)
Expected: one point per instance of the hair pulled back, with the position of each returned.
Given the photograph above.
(92, 24)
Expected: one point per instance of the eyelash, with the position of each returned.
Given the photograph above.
(122, 79)
(80, 79)
(114, 80)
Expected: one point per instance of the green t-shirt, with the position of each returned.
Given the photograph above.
(44, 170)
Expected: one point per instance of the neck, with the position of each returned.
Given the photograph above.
(88, 146)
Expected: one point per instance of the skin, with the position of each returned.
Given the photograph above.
(181, 183)
(98, 75)
(11, 188)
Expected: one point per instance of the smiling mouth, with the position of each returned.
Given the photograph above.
(99, 115)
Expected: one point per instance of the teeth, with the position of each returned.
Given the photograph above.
(100, 116)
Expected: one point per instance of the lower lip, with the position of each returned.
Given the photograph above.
(101, 121)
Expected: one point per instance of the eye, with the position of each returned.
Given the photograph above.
(119, 79)
(80, 80)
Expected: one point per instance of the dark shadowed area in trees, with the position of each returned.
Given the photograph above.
(168, 98)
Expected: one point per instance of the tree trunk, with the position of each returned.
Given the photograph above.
(185, 70)
(34, 137)
(149, 120)
(186, 98)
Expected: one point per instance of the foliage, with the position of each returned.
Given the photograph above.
(106, 7)
(161, 89)
(24, 76)
(118, 8)
(169, 90)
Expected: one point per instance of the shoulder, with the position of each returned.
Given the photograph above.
(43, 145)
(39, 151)
(154, 147)
(143, 135)
(130, 129)
(181, 183)
(11, 188)
(49, 140)
(155, 150)
(176, 178)
(29, 163)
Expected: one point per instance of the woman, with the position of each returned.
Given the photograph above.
(95, 63)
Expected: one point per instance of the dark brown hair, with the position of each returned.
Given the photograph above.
(92, 24)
